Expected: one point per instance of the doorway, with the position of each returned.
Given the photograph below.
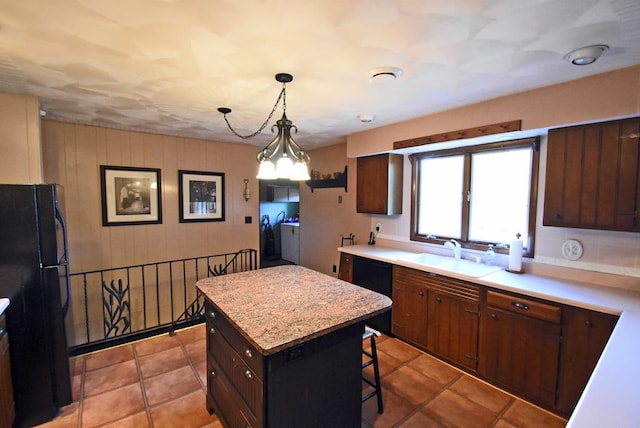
(279, 205)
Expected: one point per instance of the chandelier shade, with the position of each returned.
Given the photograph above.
(282, 157)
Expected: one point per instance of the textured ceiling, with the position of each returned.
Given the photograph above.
(166, 65)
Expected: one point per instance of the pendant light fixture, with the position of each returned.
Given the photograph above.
(282, 157)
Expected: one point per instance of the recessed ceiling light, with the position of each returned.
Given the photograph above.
(586, 55)
(366, 118)
(384, 74)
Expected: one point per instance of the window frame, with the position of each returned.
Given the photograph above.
(467, 151)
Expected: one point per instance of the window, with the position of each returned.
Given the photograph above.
(478, 195)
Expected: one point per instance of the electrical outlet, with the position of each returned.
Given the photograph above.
(247, 219)
(378, 226)
(334, 268)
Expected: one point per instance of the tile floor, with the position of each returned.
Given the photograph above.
(160, 382)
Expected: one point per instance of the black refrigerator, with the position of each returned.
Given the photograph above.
(34, 275)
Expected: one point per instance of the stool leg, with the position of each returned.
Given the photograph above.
(376, 374)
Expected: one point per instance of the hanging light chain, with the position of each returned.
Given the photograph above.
(282, 96)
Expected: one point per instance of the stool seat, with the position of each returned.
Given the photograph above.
(371, 334)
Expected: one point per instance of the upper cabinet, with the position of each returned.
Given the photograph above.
(283, 194)
(593, 178)
(379, 187)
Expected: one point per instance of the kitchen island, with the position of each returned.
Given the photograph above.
(284, 347)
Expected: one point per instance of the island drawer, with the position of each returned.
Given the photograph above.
(244, 380)
(231, 408)
(528, 307)
(247, 352)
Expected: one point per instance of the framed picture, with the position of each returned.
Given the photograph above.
(130, 195)
(201, 196)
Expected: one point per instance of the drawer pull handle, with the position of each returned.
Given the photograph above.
(212, 314)
(248, 353)
(212, 330)
(520, 305)
(247, 374)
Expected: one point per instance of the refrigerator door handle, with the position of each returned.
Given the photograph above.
(65, 260)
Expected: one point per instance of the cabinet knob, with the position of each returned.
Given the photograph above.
(439, 299)
(589, 323)
(247, 374)
(494, 316)
(212, 314)
(248, 353)
(421, 293)
(558, 216)
(212, 373)
(212, 330)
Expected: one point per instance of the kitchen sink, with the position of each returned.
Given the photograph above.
(424, 259)
(447, 264)
(467, 268)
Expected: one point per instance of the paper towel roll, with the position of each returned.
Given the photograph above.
(515, 256)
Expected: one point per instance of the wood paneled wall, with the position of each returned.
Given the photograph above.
(21, 160)
(72, 157)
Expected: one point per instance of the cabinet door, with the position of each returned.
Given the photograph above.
(592, 176)
(453, 328)
(520, 353)
(410, 305)
(346, 267)
(379, 184)
(585, 336)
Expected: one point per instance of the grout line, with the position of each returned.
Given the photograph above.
(83, 374)
(142, 389)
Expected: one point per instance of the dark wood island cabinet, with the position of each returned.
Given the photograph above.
(284, 347)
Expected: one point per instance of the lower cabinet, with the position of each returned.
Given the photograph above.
(345, 271)
(410, 306)
(454, 314)
(437, 314)
(585, 335)
(539, 350)
(520, 346)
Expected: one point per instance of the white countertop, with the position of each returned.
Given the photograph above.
(4, 303)
(612, 395)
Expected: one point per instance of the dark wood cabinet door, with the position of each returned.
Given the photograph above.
(379, 184)
(592, 178)
(585, 336)
(346, 267)
(453, 329)
(410, 305)
(520, 353)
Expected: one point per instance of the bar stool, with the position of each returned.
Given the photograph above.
(371, 334)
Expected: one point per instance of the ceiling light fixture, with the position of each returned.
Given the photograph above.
(384, 74)
(586, 55)
(282, 150)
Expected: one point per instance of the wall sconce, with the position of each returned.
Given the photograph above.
(247, 191)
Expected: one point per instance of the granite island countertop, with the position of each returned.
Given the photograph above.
(281, 307)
